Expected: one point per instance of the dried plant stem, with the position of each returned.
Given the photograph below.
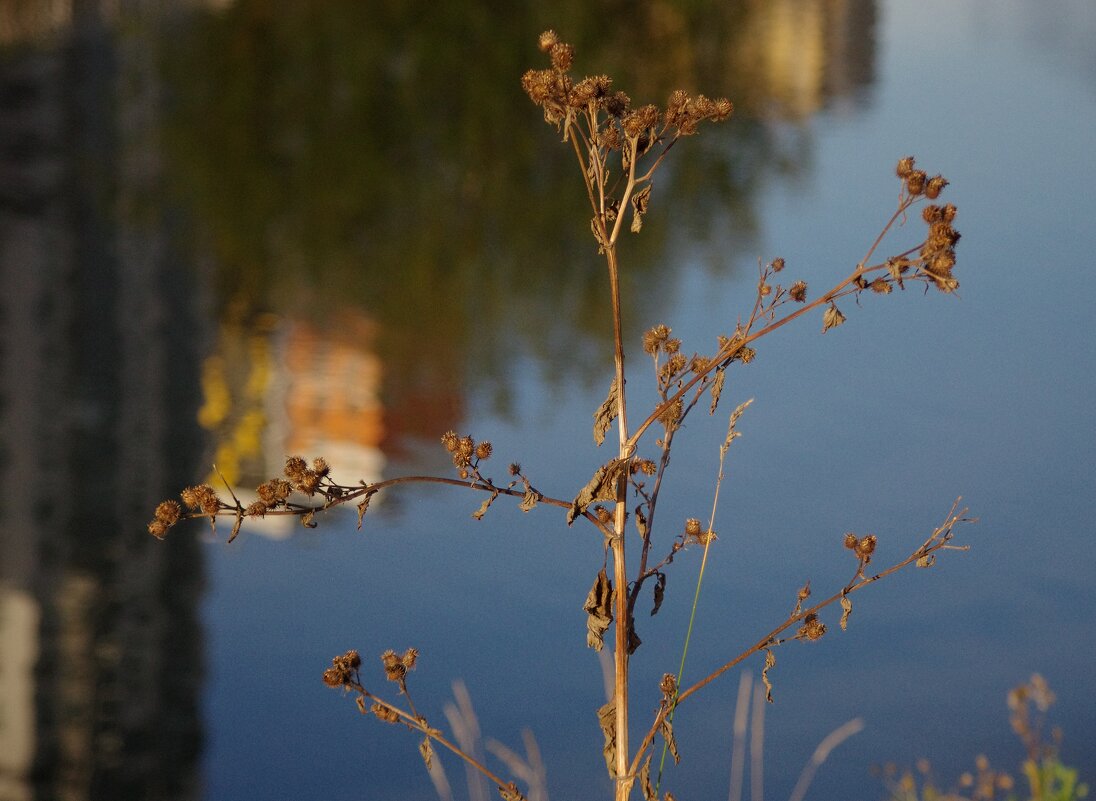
(939, 540)
(418, 724)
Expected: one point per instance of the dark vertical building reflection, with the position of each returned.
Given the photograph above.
(100, 644)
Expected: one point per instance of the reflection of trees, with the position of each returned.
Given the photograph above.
(349, 152)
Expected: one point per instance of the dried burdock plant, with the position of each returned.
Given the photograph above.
(619, 147)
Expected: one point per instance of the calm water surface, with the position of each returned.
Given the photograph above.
(232, 231)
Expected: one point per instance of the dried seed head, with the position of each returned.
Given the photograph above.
(812, 628)
(617, 104)
(158, 529)
(320, 467)
(851, 541)
(483, 450)
(655, 338)
(668, 685)
(409, 657)
(645, 466)
(201, 497)
(603, 514)
(915, 182)
(335, 677)
(777, 265)
(394, 669)
(798, 292)
(450, 440)
(935, 186)
(547, 41)
(905, 167)
(169, 512)
(515, 469)
(257, 509)
(881, 285)
(562, 55)
(692, 528)
(866, 547)
(353, 659)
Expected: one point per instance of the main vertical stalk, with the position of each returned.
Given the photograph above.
(620, 573)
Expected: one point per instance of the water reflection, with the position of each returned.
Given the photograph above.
(100, 649)
(231, 231)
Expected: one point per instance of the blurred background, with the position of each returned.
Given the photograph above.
(235, 231)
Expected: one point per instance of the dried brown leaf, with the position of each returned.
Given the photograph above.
(602, 487)
(479, 513)
(666, 729)
(717, 388)
(927, 561)
(660, 592)
(599, 610)
(363, 507)
(641, 522)
(307, 519)
(770, 661)
(832, 318)
(529, 499)
(605, 414)
(427, 752)
(846, 610)
(606, 718)
(645, 785)
(640, 201)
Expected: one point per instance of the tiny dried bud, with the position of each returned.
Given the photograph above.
(798, 292)
(515, 469)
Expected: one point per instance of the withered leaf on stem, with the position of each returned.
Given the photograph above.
(363, 507)
(606, 718)
(641, 521)
(602, 487)
(717, 389)
(605, 414)
(640, 201)
(660, 592)
(666, 729)
(528, 500)
(479, 513)
(307, 519)
(599, 610)
(832, 318)
(427, 752)
(770, 661)
(846, 610)
(927, 561)
(645, 785)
